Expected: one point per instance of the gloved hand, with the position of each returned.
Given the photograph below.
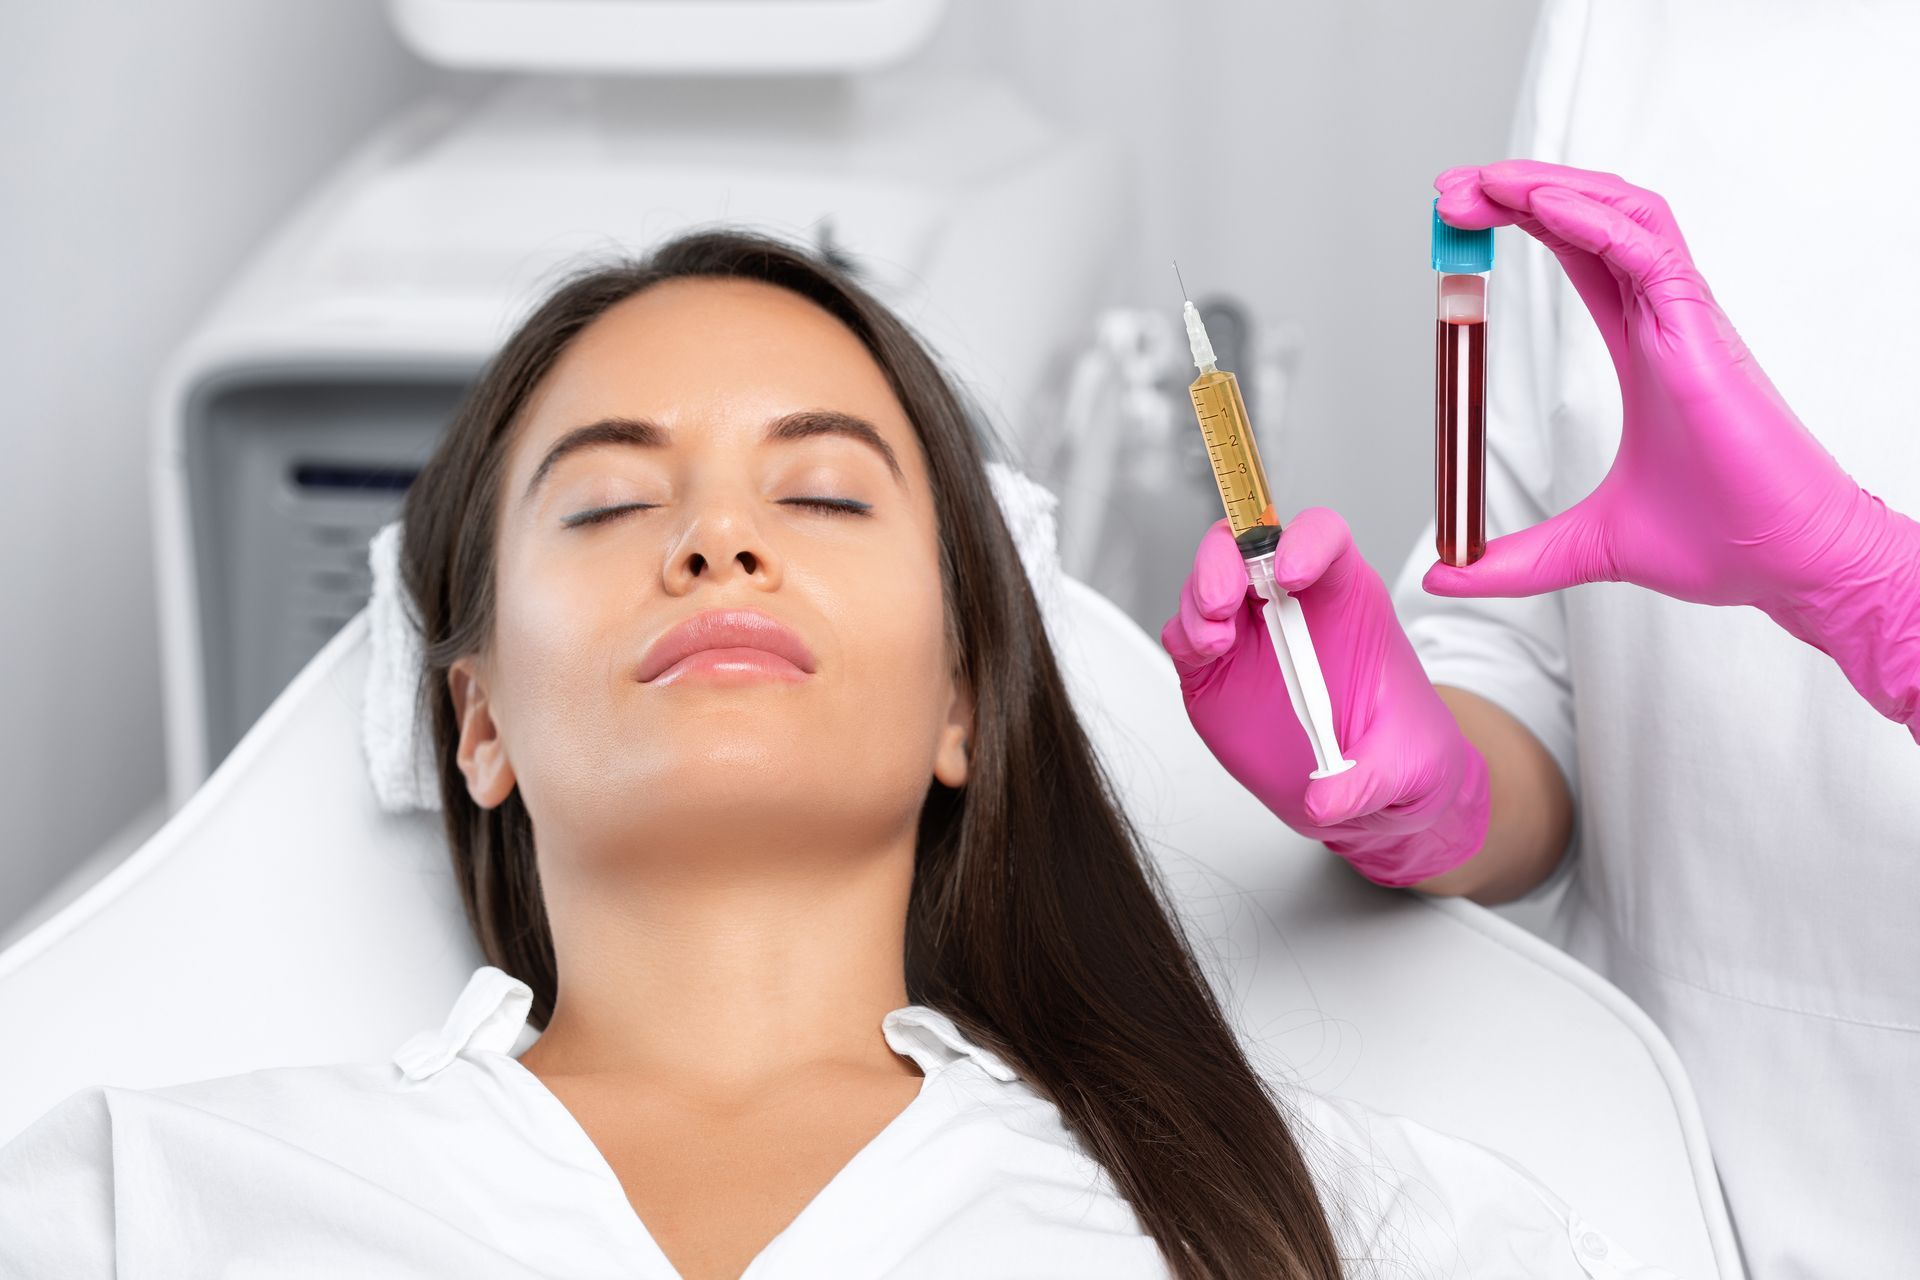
(1718, 494)
(1415, 802)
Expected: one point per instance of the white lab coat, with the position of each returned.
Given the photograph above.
(1747, 857)
(454, 1160)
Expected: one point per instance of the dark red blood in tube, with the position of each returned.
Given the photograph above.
(1460, 441)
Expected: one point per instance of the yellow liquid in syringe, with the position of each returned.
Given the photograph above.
(1235, 460)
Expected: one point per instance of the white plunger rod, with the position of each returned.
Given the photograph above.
(1306, 686)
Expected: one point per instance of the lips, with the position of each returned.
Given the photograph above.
(724, 629)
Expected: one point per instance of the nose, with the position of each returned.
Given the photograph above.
(719, 545)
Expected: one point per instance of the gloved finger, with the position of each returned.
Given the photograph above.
(1465, 204)
(1655, 274)
(1500, 193)
(1364, 789)
(1646, 259)
(1191, 638)
(1219, 576)
(1205, 623)
(1570, 549)
(1513, 182)
(1468, 202)
(1315, 549)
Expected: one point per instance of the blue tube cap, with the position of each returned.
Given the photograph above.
(1458, 250)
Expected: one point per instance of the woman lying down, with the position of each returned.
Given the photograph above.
(737, 686)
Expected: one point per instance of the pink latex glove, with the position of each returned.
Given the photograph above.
(1415, 802)
(1718, 494)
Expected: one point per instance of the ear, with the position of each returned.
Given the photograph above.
(950, 760)
(482, 753)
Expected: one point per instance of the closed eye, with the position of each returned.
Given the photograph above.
(599, 514)
(831, 506)
(839, 506)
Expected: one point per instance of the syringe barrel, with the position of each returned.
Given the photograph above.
(1235, 459)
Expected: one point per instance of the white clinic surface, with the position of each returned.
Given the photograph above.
(1747, 857)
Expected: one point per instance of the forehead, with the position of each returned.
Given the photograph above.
(707, 357)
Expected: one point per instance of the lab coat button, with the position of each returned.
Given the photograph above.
(1594, 1245)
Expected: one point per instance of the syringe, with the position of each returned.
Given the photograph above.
(1256, 529)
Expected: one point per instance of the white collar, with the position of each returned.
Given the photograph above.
(491, 1015)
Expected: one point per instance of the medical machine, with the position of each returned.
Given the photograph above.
(1235, 459)
(290, 423)
(1461, 263)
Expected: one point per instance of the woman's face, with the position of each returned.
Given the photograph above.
(714, 445)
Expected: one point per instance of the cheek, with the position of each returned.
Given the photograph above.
(555, 629)
(900, 665)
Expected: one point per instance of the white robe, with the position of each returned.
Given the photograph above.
(455, 1160)
(1747, 858)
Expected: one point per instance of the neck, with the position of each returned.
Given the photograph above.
(722, 973)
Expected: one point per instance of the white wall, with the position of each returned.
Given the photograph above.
(144, 149)
(1284, 151)
(1281, 150)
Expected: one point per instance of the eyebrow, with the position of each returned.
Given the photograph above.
(638, 432)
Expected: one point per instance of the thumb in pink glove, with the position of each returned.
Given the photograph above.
(1415, 803)
(1718, 494)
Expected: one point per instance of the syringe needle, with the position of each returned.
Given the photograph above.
(1183, 283)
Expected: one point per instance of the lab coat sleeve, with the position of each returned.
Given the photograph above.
(1514, 652)
(56, 1194)
(1406, 1200)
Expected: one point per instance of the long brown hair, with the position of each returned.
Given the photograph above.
(1034, 921)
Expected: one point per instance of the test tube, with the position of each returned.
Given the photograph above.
(1462, 261)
